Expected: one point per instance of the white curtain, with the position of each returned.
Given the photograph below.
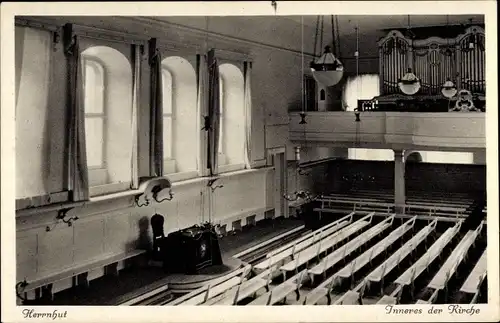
(248, 113)
(32, 66)
(362, 87)
(202, 108)
(134, 182)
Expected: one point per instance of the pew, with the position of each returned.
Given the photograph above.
(476, 277)
(335, 257)
(386, 300)
(349, 298)
(350, 269)
(390, 263)
(448, 269)
(412, 273)
(280, 292)
(80, 272)
(297, 246)
(384, 198)
(422, 302)
(362, 204)
(322, 246)
(214, 288)
(249, 287)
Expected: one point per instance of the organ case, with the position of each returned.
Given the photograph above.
(433, 60)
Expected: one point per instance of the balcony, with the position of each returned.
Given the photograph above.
(391, 130)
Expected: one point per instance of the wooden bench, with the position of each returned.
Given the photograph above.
(429, 198)
(350, 269)
(242, 291)
(349, 298)
(438, 204)
(269, 241)
(422, 302)
(362, 204)
(297, 246)
(418, 267)
(409, 200)
(335, 257)
(357, 203)
(214, 288)
(476, 277)
(386, 300)
(432, 209)
(448, 269)
(280, 292)
(322, 246)
(79, 273)
(390, 263)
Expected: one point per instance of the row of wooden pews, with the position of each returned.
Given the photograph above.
(455, 206)
(360, 259)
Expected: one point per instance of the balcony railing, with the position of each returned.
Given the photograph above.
(391, 130)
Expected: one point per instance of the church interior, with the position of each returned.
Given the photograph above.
(250, 160)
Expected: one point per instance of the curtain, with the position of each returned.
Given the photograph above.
(33, 50)
(213, 112)
(248, 112)
(135, 102)
(77, 156)
(202, 99)
(156, 122)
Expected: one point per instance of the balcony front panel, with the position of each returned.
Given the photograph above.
(391, 130)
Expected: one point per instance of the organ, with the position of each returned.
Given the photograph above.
(434, 60)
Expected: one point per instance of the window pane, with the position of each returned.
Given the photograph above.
(363, 87)
(167, 91)
(94, 87)
(167, 137)
(95, 142)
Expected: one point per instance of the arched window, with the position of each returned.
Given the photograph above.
(232, 130)
(108, 118)
(180, 119)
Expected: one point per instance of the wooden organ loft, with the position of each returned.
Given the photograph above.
(434, 60)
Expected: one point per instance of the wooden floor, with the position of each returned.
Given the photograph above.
(358, 252)
(366, 257)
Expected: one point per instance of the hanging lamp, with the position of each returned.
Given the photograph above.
(326, 69)
(409, 84)
(448, 90)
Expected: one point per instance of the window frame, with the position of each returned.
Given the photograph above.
(237, 62)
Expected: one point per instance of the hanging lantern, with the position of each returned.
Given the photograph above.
(409, 84)
(327, 69)
(449, 89)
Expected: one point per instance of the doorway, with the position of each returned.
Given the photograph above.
(278, 161)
